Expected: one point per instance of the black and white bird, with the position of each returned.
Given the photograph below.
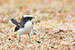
(23, 24)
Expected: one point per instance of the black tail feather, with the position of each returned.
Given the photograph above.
(16, 28)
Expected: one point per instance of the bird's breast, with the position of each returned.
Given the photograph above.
(27, 28)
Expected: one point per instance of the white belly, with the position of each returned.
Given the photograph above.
(27, 28)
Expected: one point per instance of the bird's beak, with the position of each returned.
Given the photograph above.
(33, 17)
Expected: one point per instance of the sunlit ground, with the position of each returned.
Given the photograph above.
(54, 22)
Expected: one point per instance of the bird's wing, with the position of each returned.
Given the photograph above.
(15, 21)
(17, 28)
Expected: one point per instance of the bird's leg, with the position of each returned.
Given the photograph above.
(29, 38)
(19, 37)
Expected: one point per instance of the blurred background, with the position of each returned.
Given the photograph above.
(46, 8)
(54, 22)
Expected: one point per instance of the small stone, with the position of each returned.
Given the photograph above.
(34, 32)
(38, 42)
(52, 47)
(61, 37)
(9, 39)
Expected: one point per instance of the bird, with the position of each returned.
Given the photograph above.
(24, 25)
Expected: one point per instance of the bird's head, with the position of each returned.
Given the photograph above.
(27, 17)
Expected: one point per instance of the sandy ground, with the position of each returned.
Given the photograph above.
(54, 22)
